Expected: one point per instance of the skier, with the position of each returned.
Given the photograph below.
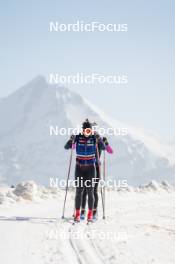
(86, 147)
(97, 165)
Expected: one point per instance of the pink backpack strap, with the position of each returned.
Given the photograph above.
(73, 145)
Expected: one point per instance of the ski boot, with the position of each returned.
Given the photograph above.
(90, 216)
(82, 216)
(77, 215)
(95, 215)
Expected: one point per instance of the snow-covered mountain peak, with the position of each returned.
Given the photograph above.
(28, 152)
(153, 142)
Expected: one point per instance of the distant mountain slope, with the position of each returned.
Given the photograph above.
(28, 152)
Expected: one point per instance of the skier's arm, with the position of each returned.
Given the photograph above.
(70, 142)
(101, 144)
(107, 146)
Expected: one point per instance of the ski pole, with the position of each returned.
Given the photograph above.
(102, 200)
(98, 157)
(68, 175)
(104, 178)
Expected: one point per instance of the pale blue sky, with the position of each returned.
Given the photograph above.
(145, 53)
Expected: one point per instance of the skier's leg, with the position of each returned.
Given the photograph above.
(83, 205)
(79, 190)
(84, 197)
(96, 191)
(96, 188)
(90, 175)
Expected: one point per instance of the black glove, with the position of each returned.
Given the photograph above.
(73, 138)
(105, 141)
(97, 136)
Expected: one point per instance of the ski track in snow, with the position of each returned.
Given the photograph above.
(85, 250)
(144, 223)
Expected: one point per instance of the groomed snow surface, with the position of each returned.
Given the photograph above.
(139, 227)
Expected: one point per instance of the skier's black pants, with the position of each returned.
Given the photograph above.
(84, 196)
(84, 176)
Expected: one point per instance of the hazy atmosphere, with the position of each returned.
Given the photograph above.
(145, 53)
(87, 132)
